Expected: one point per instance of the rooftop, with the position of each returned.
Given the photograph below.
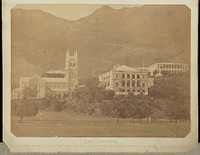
(55, 79)
(170, 63)
(46, 79)
(56, 72)
(127, 68)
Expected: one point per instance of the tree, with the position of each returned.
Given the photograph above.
(142, 110)
(120, 109)
(133, 113)
(176, 110)
(173, 87)
(26, 110)
(29, 93)
(155, 72)
(165, 73)
(105, 108)
(88, 98)
(108, 94)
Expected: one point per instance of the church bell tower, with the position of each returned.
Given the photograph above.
(71, 69)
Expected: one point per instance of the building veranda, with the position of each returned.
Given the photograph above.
(124, 79)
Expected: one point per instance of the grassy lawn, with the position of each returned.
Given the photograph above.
(64, 124)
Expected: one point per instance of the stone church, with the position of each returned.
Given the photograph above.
(55, 83)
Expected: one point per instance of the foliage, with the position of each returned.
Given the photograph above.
(24, 109)
(87, 98)
(29, 92)
(174, 87)
(41, 104)
(176, 110)
(105, 108)
(155, 72)
(108, 94)
(168, 99)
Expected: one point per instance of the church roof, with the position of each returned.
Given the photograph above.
(24, 78)
(56, 72)
(59, 90)
(45, 79)
(55, 79)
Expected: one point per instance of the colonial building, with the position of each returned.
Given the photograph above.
(123, 80)
(172, 68)
(57, 83)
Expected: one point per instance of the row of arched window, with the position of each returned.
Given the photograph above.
(131, 90)
(172, 66)
(130, 84)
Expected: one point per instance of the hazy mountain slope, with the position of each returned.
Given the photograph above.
(106, 37)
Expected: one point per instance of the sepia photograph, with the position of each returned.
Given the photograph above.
(81, 76)
(100, 70)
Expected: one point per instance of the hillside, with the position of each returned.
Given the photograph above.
(105, 37)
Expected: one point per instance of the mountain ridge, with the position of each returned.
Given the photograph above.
(39, 40)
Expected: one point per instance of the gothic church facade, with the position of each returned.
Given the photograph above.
(55, 83)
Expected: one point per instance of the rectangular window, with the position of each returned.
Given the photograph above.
(128, 76)
(123, 83)
(133, 83)
(133, 76)
(123, 76)
(138, 76)
(116, 84)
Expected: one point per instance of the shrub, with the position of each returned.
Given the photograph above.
(25, 110)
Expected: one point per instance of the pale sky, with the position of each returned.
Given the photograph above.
(70, 11)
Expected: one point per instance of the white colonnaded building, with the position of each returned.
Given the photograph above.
(57, 83)
(172, 68)
(124, 79)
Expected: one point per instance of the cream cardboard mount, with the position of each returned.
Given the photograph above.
(121, 45)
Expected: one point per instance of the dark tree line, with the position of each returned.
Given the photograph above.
(173, 92)
(169, 99)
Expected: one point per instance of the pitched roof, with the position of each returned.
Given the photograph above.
(55, 80)
(46, 79)
(126, 68)
(56, 72)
